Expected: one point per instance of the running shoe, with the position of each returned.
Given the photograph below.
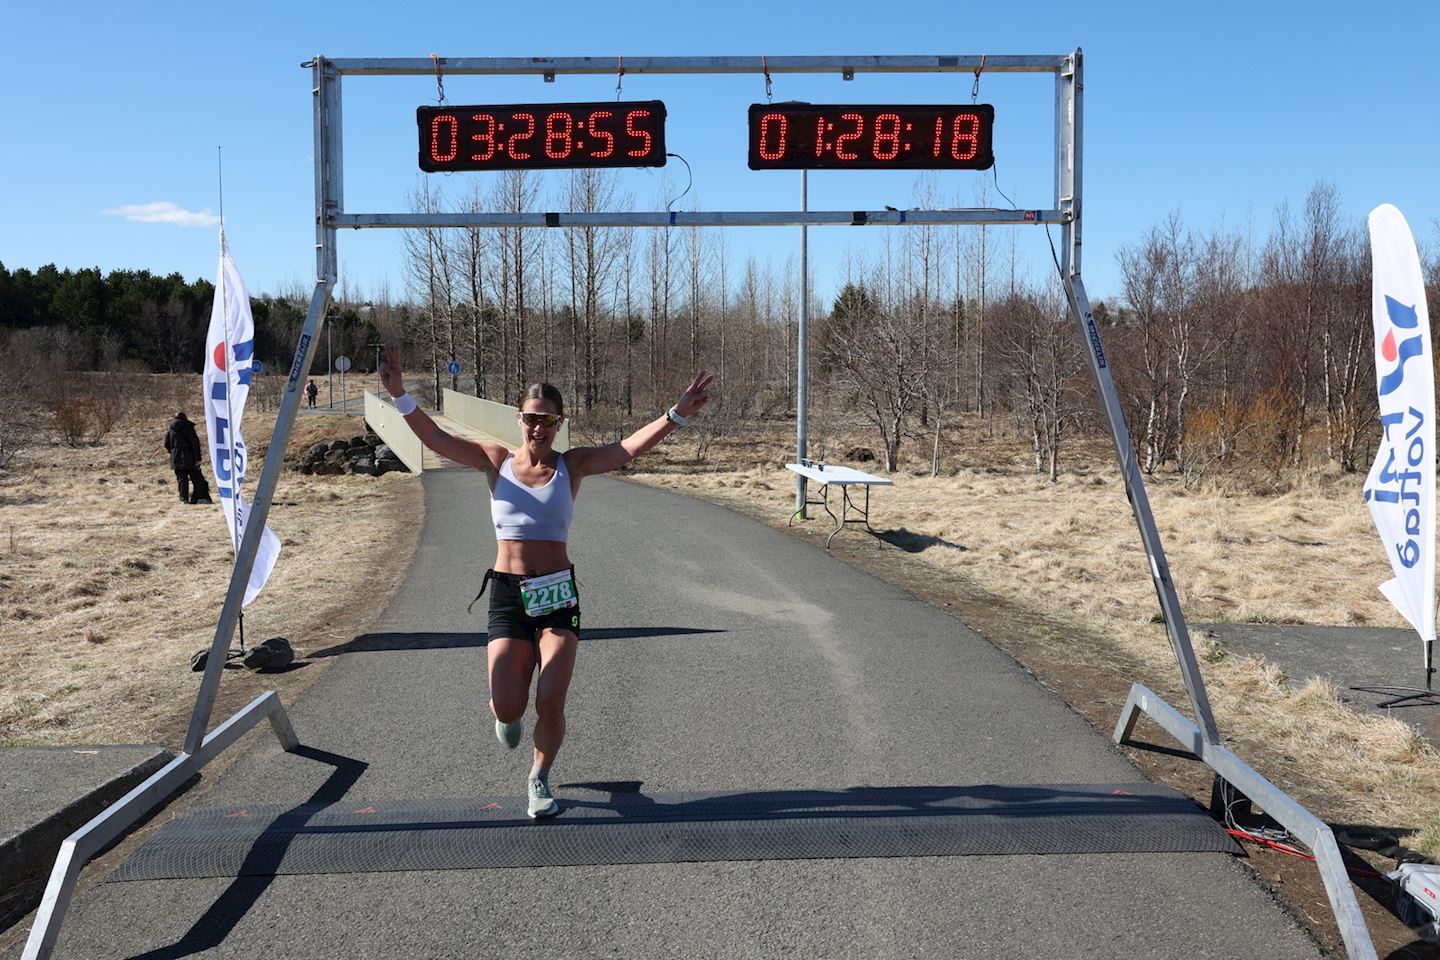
(542, 804)
(509, 733)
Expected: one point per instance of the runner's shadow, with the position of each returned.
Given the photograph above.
(390, 642)
(1026, 802)
(393, 641)
(258, 872)
(636, 633)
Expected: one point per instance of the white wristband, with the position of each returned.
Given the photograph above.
(405, 404)
(674, 417)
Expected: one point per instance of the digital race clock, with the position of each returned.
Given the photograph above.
(795, 136)
(542, 135)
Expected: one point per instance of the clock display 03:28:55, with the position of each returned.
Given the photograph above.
(542, 135)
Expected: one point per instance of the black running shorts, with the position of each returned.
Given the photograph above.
(509, 619)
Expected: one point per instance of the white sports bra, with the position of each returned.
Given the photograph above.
(532, 513)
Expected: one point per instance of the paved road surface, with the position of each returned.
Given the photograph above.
(796, 672)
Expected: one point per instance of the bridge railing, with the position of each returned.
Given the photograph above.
(496, 419)
(390, 427)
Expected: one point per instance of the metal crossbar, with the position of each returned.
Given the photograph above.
(599, 66)
(705, 218)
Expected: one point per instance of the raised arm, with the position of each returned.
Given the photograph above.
(588, 461)
(471, 453)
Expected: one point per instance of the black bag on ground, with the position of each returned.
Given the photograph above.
(274, 654)
(199, 658)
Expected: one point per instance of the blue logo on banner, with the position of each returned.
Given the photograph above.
(1403, 317)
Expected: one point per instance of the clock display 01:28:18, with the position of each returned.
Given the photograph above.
(542, 135)
(786, 136)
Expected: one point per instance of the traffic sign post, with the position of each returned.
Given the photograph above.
(342, 363)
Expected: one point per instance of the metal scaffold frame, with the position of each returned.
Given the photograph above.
(1200, 736)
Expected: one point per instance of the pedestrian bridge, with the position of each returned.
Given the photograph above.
(464, 416)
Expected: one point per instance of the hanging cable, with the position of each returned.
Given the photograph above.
(691, 182)
(1053, 255)
(765, 69)
(439, 80)
(619, 76)
(995, 176)
(975, 89)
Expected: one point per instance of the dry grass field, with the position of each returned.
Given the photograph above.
(109, 583)
(1066, 559)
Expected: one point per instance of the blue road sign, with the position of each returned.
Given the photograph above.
(256, 366)
(454, 368)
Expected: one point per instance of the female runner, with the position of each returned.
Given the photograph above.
(534, 604)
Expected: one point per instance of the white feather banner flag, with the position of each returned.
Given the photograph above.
(1400, 488)
(229, 352)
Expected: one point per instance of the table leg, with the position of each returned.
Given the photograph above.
(840, 520)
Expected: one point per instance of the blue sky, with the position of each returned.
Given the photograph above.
(112, 114)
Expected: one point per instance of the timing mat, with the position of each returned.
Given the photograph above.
(598, 827)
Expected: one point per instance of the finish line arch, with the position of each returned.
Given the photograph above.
(1067, 71)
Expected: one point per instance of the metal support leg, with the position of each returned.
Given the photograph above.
(78, 848)
(1175, 627)
(255, 523)
(840, 520)
(1306, 827)
(863, 513)
(801, 515)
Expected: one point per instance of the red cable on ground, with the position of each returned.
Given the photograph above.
(1291, 851)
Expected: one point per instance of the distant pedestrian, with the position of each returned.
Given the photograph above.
(184, 446)
(311, 391)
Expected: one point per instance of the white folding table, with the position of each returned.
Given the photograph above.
(842, 477)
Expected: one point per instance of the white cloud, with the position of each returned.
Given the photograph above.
(164, 212)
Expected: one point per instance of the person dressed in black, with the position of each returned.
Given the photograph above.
(184, 446)
(311, 390)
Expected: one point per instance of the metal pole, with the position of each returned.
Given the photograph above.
(327, 142)
(1071, 115)
(329, 367)
(255, 524)
(802, 393)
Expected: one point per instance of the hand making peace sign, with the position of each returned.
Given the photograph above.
(696, 395)
(390, 374)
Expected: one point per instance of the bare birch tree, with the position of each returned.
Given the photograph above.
(515, 192)
(430, 271)
(875, 352)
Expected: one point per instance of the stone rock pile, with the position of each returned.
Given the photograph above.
(364, 455)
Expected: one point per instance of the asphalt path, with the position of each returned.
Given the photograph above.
(718, 655)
